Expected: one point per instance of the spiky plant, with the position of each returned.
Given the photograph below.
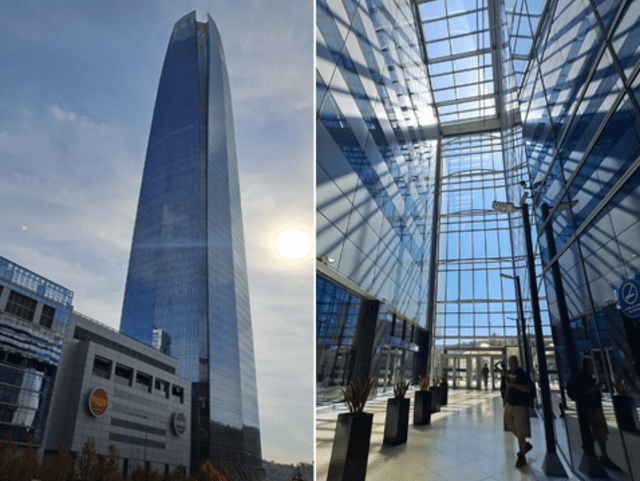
(356, 394)
(400, 388)
(621, 387)
(424, 382)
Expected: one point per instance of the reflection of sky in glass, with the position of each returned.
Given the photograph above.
(458, 46)
(457, 36)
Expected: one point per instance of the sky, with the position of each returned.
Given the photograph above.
(78, 81)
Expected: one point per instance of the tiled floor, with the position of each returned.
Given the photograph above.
(465, 441)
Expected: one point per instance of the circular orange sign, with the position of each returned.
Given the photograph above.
(98, 401)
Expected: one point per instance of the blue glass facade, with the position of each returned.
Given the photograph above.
(187, 270)
(33, 314)
(581, 125)
(376, 151)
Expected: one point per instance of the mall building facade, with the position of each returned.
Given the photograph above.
(427, 113)
(66, 378)
(116, 390)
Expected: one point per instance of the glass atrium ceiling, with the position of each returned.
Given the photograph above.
(460, 39)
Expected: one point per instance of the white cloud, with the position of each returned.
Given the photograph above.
(75, 180)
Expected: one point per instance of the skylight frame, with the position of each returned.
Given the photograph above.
(469, 84)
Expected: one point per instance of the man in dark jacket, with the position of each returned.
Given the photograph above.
(485, 376)
(516, 411)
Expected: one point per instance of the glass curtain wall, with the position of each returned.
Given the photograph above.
(581, 120)
(476, 309)
(520, 21)
(336, 342)
(477, 52)
(375, 177)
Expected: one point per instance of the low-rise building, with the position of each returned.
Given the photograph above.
(115, 389)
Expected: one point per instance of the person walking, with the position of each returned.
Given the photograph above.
(516, 411)
(485, 376)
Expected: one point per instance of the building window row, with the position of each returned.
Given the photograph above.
(83, 335)
(124, 375)
(24, 364)
(25, 308)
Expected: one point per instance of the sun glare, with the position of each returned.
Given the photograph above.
(293, 244)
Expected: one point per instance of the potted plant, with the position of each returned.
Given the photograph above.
(435, 398)
(444, 384)
(353, 435)
(397, 419)
(422, 404)
(625, 408)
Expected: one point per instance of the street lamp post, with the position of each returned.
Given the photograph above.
(551, 466)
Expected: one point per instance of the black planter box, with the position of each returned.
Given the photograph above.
(444, 394)
(396, 422)
(350, 447)
(422, 408)
(435, 399)
(626, 414)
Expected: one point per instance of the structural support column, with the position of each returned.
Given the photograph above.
(551, 466)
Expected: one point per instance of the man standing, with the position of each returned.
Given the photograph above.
(516, 411)
(485, 376)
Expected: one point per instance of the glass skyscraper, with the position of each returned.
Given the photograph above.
(187, 271)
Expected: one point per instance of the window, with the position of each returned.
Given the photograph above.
(15, 358)
(84, 335)
(21, 306)
(102, 367)
(177, 394)
(143, 382)
(123, 375)
(46, 319)
(161, 388)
